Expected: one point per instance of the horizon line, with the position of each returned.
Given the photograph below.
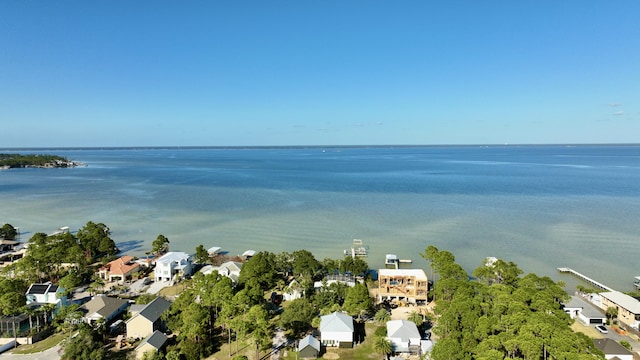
(222, 147)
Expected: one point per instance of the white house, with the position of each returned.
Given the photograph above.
(403, 336)
(230, 269)
(585, 312)
(173, 264)
(336, 330)
(293, 291)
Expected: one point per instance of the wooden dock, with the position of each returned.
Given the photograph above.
(585, 278)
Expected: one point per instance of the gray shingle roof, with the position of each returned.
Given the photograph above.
(611, 347)
(154, 309)
(157, 339)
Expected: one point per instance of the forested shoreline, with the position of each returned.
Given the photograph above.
(8, 161)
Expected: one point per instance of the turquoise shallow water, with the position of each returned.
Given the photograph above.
(542, 207)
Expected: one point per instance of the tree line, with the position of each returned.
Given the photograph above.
(500, 314)
(40, 160)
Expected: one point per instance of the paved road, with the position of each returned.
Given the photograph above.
(51, 354)
(279, 339)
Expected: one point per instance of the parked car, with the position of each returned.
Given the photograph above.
(602, 329)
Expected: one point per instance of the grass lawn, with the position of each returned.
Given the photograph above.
(362, 351)
(171, 291)
(45, 344)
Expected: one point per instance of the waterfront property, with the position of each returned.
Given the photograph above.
(173, 264)
(336, 330)
(145, 322)
(585, 312)
(230, 269)
(627, 306)
(403, 285)
(119, 269)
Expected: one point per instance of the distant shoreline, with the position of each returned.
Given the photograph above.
(284, 147)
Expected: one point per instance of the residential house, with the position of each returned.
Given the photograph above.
(148, 319)
(309, 348)
(120, 269)
(612, 349)
(627, 306)
(152, 343)
(344, 279)
(403, 336)
(405, 285)
(103, 307)
(173, 264)
(230, 269)
(336, 330)
(7, 245)
(585, 312)
(46, 293)
(293, 291)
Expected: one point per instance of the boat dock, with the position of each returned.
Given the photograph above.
(585, 278)
(358, 249)
(392, 260)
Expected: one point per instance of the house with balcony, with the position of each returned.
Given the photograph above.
(173, 265)
(627, 306)
(119, 269)
(403, 285)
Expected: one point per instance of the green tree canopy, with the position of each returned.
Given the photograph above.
(358, 301)
(262, 268)
(86, 345)
(160, 245)
(298, 315)
(502, 315)
(8, 232)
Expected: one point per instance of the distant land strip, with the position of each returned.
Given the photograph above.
(8, 161)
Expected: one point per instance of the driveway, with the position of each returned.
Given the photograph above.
(44, 355)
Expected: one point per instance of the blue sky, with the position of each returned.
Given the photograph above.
(218, 73)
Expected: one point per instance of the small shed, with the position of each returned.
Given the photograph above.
(309, 347)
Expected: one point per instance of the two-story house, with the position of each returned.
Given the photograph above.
(173, 264)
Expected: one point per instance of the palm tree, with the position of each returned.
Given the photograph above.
(382, 316)
(416, 317)
(382, 345)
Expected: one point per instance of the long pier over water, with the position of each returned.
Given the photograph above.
(585, 278)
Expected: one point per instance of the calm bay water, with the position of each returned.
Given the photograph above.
(542, 207)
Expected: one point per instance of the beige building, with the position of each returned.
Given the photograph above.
(151, 344)
(628, 307)
(145, 322)
(408, 285)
